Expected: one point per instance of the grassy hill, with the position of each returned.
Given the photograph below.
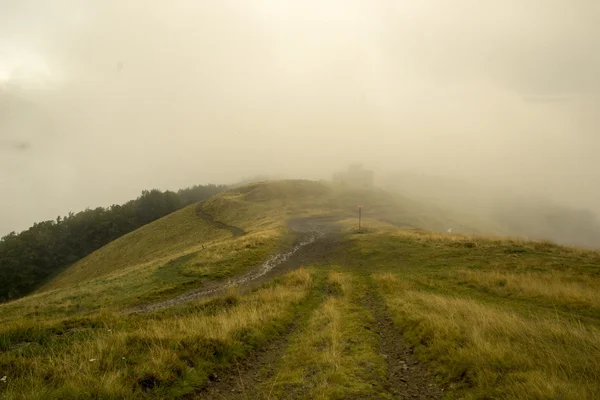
(394, 311)
(31, 258)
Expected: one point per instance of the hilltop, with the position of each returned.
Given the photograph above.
(268, 290)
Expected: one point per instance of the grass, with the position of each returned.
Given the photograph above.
(259, 205)
(164, 354)
(333, 356)
(176, 233)
(494, 352)
(495, 318)
(173, 271)
(572, 291)
(182, 250)
(492, 317)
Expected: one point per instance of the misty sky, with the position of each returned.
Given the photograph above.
(101, 99)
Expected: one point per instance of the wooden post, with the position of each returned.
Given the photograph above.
(359, 217)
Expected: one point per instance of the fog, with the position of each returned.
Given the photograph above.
(101, 99)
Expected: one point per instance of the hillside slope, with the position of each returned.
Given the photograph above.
(258, 207)
(392, 311)
(172, 235)
(184, 249)
(32, 257)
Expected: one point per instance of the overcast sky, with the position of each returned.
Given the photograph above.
(101, 99)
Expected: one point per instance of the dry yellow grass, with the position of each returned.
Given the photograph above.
(258, 308)
(107, 361)
(552, 286)
(503, 354)
(333, 356)
(389, 281)
(490, 346)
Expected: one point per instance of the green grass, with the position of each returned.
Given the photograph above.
(176, 233)
(162, 354)
(492, 317)
(186, 250)
(495, 318)
(332, 356)
(493, 351)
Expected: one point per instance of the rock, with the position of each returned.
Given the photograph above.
(369, 364)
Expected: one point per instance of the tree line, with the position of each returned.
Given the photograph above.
(30, 258)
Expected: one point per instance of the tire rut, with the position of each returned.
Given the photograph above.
(235, 231)
(242, 380)
(254, 277)
(316, 240)
(407, 378)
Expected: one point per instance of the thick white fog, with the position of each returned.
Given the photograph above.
(101, 99)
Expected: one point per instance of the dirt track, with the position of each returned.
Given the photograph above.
(235, 231)
(243, 381)
(314, 242)
(406, 377)
(318, 243)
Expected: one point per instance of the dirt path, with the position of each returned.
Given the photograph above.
(407, 378)
(266, 271)
(235, 231)
(316, 239)
(243, 380)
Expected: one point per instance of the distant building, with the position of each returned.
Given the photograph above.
(356, 175)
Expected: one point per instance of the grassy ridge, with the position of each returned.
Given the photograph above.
(493, 317)
(165, 354)
(173, 234)
(182, 250)
(186, 249)
(497, 318)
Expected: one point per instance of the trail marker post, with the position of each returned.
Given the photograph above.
(359, 216)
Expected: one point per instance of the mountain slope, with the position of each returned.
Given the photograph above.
(175, 234)
(185, 249)
(392, 311)
(32, 257)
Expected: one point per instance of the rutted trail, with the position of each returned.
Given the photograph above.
(316, 238)
(406, 377)
(235, 231)
(244, 380)
(271, 263)
(334, 349)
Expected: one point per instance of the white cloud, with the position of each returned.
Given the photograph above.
(215, 90)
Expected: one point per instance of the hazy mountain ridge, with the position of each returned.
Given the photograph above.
(503, 209)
